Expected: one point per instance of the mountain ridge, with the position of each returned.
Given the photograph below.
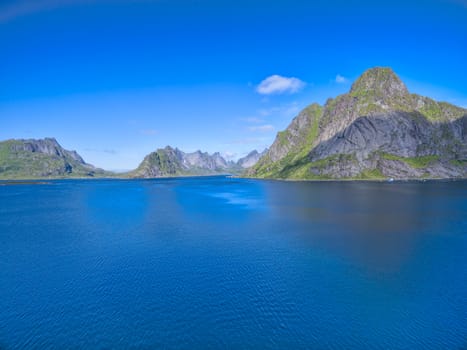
(46, 158)
(42, 158)
(377, 130)
(171, 161)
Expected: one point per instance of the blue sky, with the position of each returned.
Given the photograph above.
(116, 79)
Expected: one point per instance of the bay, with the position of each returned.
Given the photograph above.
(219, 262)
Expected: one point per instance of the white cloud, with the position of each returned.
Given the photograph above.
(341, 79)
(276, 84)
(261, 128)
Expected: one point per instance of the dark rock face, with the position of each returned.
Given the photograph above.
(48, 146)
(396, 133)
(401, 135)
(376, 130)
(42, 158)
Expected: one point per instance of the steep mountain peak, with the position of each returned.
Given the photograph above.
(376, 130)
(379, 80)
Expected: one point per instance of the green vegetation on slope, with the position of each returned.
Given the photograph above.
(370, 174)
(296, 157)
(414, 162)
(159, 163)
(18, 163)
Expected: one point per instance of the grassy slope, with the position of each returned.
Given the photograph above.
(35, 165)
(294, 164)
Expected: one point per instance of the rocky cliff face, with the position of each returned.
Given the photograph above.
(203, 160)
(377, 130)
(42, 158)
(173, 162)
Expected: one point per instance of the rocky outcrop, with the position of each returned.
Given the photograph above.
(42, 158)
(377, 130)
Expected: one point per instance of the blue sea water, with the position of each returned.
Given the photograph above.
(223, 263)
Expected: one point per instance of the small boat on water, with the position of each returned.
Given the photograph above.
(391, 179)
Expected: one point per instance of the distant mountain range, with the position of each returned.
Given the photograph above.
(170, 161)
(22, 159)
(377, 130)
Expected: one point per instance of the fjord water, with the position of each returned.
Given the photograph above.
(215, 262)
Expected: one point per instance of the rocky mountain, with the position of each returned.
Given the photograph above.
(377, 130)
(42, 158)
(250, 159)
(202, 160)
(170, 161)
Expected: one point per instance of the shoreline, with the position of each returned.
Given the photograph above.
(46, 181)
